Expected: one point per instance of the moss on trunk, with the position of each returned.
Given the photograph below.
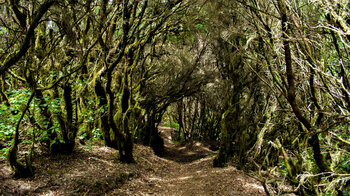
(20, 169)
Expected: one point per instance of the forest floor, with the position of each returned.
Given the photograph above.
(186, 169)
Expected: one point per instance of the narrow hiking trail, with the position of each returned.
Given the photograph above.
(187, 170)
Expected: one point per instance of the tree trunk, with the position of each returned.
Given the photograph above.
(103, 122)
(46, 114)
(291, 90)
(126, 156)
(20, 169)
(3, 97)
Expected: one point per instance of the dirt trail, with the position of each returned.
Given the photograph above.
(187, 170)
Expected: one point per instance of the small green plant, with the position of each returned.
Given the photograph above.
(174, 125)
(3, 153)
(282, 170)
(88, 148)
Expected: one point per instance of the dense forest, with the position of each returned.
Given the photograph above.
(265, 83)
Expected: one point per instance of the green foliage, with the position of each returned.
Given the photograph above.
(201, 28)
(93, 135)
(3, 30)
(10, 115)
(88, 148)
(281, 169)
(3, 152)
(172, 124)
(54, 104)
(7, 127)
(57, 139)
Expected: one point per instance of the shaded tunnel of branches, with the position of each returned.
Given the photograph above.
(264, 83)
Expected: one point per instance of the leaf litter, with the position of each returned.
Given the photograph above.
(185, 169)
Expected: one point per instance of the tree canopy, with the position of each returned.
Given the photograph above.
(265, 82)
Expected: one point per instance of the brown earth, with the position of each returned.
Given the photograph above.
(186, 169)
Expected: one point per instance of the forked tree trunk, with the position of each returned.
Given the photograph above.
(103, 122)
(68, 128)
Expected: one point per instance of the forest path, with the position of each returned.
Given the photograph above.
(186, 169)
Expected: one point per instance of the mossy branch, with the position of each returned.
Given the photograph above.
(20, 169)
(29, 36)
